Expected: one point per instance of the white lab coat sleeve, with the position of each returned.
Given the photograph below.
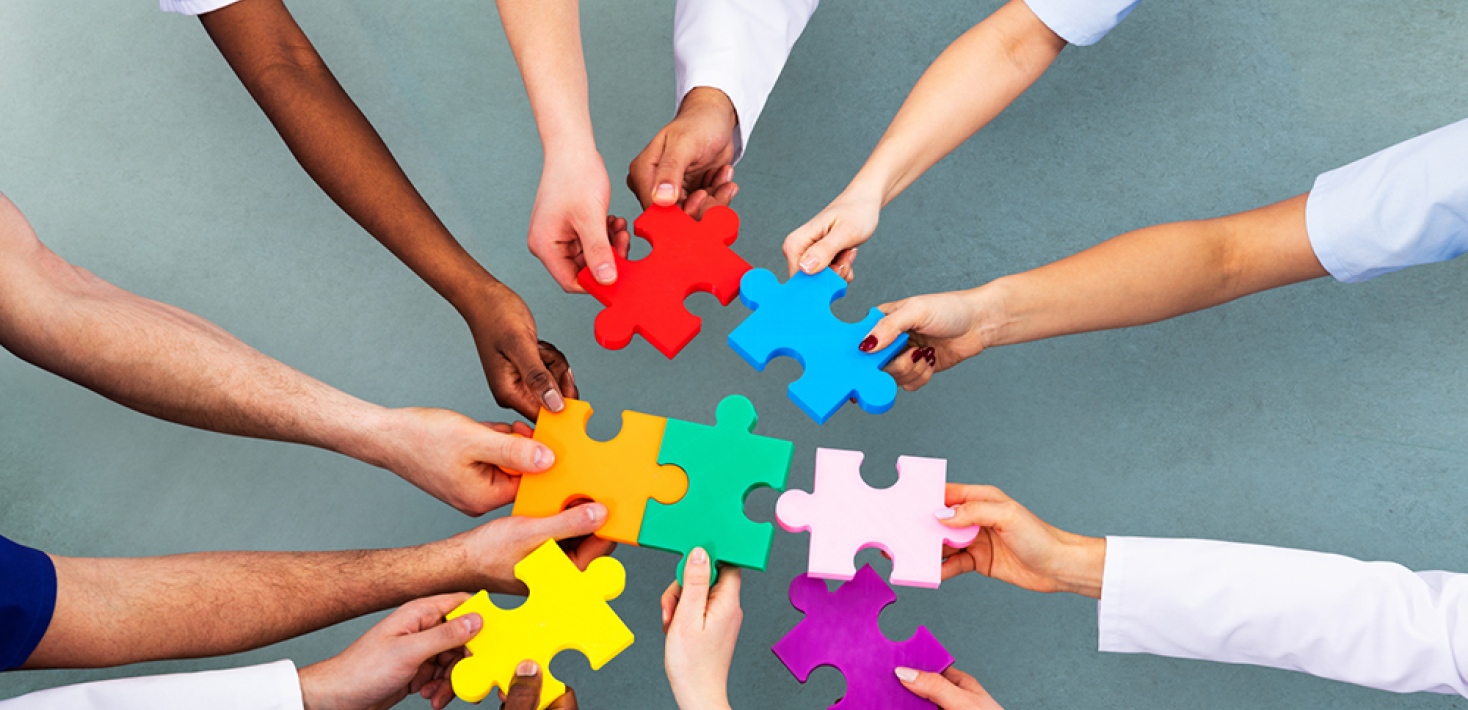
(1376, 624)
(193, 7)
(1404, 206)
(273, 686)
(738, 47)
(1081, 22)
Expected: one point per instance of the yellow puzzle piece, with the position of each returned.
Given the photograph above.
(620, 474)
(567, 609)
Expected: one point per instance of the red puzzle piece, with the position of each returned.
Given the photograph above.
(688, 255)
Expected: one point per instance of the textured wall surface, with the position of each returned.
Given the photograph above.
(1319, 416)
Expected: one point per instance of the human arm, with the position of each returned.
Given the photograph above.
(728, 54)
(1143, 276)
(341, 151)
(950, 690)
(115, 611)
(970, 83)
(167, 363)
(702, 627)
(569, 226)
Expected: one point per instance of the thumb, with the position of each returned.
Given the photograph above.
(693, 603)
(524, 691)
(829, 238)
(596, 247)
(576, 521)
(524, 354)
(902, 316)
(512, 452)
(988, 514)
(447, 636)
(667, 179)
(933, 687)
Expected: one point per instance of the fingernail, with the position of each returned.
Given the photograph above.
(808, 264)
(553, 400)
(906, 675)
(734, 193)
(605, 273)
(472, 622)
(932, 358)
(945, 514)
(526, 669)
(543, 458)
(699, 557)
(595, 512)
(665, 193)
(917, 354)
(867, 345)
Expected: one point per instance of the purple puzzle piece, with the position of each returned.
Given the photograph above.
(840, 630)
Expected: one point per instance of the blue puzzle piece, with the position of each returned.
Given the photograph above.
(795, 319)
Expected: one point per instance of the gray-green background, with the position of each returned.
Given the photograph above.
(1321, 416)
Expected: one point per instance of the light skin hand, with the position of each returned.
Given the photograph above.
(944, 329)
(831, 238)
(951, 690)
(702, 628)
(1017, 547)
(690, 161)
(569, 225)
(394, 659)
(493, 549)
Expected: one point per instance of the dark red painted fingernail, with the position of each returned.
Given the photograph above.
(917, 354)
(932, 359)
(867, 345)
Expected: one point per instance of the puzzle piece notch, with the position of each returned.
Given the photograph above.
(724, 463)
(648, 296)
(844, 515)
(794, 319)
(621, 474)
(567, 610)
(841, 630)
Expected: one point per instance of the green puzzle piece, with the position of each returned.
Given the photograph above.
(724, 463)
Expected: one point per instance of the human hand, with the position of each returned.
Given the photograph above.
(689, 161)
(702, 628)
(407, 652)
(493, 549)
(831, 237)
(1017, 547)
(525, 691)
(944, 328)
(524, 373)
(455, 459)
(951, 690)
(569, 225)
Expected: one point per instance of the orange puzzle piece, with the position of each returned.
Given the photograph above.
(620, 474)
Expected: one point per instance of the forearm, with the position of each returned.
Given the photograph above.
(116, 611)
(545, 36)
(336, 145)
(1151, 274)
(970, 83)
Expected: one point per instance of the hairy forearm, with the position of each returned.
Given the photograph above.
(1152, 274)
(545, 36)
(336, 145)
(116, 611)
(969, 84)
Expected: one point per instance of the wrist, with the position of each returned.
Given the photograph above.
(710, 99)
(989, 316)
(1084, 566)
(367, 433)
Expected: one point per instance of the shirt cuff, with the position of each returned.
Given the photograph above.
(1081, 22)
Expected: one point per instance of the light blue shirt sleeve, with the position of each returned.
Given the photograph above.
(1404, 206)
(1081, 22)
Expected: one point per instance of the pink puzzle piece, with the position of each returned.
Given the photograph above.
(844, 515)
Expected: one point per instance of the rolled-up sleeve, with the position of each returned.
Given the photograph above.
(738, 47)
(1404, 206)
(27, 601)
(193, 7)
(1376, 624)
(273, 686)
(1081, 22)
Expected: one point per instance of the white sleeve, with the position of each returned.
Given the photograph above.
(738, 47)
(1375, 624)
(1081, 22)
(273, 686)
(1404, 206)
(193, 7)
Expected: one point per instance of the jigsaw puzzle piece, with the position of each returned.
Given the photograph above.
(566, 610)
(647, 298)
(841, 629)
(794, 319)
(724, 463)
(621, 474)
(844, 515)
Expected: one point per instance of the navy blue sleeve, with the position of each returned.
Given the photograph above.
(27, 598)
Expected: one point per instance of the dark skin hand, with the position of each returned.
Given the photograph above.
(341, 151)
(690, 161)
